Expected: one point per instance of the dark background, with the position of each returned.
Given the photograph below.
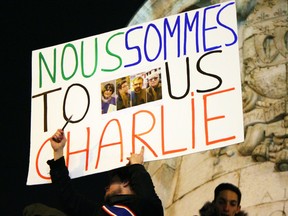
(26, 26)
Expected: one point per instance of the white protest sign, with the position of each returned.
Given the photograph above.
(195, 57)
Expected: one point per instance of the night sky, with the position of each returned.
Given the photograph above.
(26, 26)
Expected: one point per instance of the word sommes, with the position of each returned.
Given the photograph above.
(190, 31)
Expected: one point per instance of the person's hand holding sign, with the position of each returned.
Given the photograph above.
(58, 142)
(136, 158)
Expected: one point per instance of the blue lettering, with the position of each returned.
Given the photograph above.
(207, 29)
(136, 48)
(171, 33)
(190, 26)
(227, 27)
(154, 42)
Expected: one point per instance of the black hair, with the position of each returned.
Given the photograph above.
(119, 86)
(227, 186)
(108, 86)
(121, 174)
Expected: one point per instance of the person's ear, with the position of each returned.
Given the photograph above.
(238, 209)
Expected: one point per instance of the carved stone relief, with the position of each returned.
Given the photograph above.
(265, 58)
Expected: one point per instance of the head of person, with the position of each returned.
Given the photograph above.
(153, 79)
(118, 183)
(227, 198)
(108, 90)
(123, 86)
(137, 84)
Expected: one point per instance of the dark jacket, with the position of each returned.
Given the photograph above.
(144, 203)
(209, 209)
(138, 98)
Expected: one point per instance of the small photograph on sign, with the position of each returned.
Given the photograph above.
(138, 89)
(123, 93)
(131, 91)
(154, 86)
(108, 98)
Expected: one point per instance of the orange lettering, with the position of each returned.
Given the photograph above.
(164, 152)
(137, 136)
(206, 119)
(79, 151)
(110, 144)
(37, 160)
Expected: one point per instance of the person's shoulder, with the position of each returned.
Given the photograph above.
(242, 213)
(132, 94)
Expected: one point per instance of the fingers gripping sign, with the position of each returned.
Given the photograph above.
(136, 158)
(58, 141)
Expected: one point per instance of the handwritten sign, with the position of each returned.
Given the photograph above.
(172, 85)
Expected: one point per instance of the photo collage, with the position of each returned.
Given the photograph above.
(131, 91)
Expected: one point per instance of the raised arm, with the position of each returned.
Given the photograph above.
(142, 183)
(75, 204)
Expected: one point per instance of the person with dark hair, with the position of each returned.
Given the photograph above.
(123, 95)
(130, 190)
(108, 101)
(227, 199)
